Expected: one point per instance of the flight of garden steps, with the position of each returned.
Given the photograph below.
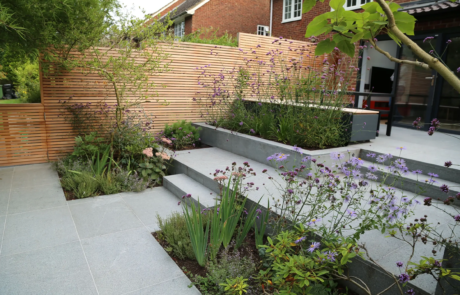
(192, 173)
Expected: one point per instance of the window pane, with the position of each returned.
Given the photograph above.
(297, 8)
(349, 3)
(287, 9)
(449, 106)
(354, 2)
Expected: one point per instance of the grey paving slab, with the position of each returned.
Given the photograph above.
(4, 196)
(35, 198)
(54, 270)
(175, 286)
(6, 175)
(38, 229)
(147, 204)
(102, 216)
(128, 261)
(2, 228)
(34, 177)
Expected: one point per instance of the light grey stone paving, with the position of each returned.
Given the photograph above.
(38, 197)
(100, 245)
(175, 286)
(146, 205)
(4, 197)
(6, 175)
(102, 216)
(2, 228)
(60, 269)
(125, 261)
(38, 229)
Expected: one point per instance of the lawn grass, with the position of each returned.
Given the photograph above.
(11, 101)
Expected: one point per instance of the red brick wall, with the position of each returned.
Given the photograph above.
(437, 22)
(188, 25)
(233, 16)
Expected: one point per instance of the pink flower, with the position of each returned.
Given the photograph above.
(164, 156)
(148, 152)
(222, 177)
(165, 140)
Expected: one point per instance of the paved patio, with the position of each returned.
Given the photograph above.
(435, 149)
(98, 245)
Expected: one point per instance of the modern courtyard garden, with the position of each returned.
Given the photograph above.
(155, 166)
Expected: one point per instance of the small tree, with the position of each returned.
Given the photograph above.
(126, 58)
(378, 17)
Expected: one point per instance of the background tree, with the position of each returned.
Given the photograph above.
(379, 17)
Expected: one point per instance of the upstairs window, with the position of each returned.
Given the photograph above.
(292, 10)
(179, 30)
(355, 4)
(262, 30)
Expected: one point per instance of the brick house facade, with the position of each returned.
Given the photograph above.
(413, 91)
(231, 16)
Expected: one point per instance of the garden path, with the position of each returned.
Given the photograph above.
(97, 245)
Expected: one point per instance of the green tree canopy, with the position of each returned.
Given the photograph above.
(52, 26)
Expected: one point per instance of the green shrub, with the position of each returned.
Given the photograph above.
(27, 81)
(108, 184)
(82, 184)
(209, 36)
(182, 134)
(231, 265)
(174, 231)
(87, 146)
(294, 263)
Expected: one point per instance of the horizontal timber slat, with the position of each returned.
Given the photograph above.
(26, 138)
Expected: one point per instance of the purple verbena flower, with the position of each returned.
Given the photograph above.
(448, 164)
(399, 264)
(241, 123)
(404, 278)
(444, 188)
(457, 217)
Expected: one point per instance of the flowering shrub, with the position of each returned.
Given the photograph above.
(284, 96)
(181, 134)
(294, 264)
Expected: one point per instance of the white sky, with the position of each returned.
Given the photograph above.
(136, 6)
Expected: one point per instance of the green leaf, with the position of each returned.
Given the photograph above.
(370, 7)
(357, 37)
(325, 46)
(337, 38)
(336, 4)
(394, 6)
(339, 28)
(317, 26)
(308, 5)
(346, 47)
(381, 23)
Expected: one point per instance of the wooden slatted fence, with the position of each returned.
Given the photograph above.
(22, 134)
(188, 60)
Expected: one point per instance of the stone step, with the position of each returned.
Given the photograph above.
(201, 164)
(415, 183)
(181, 185)
(448, 174)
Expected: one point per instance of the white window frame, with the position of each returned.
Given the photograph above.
(263, 30)
(295, 7)
(357, 6)
(179, 29)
